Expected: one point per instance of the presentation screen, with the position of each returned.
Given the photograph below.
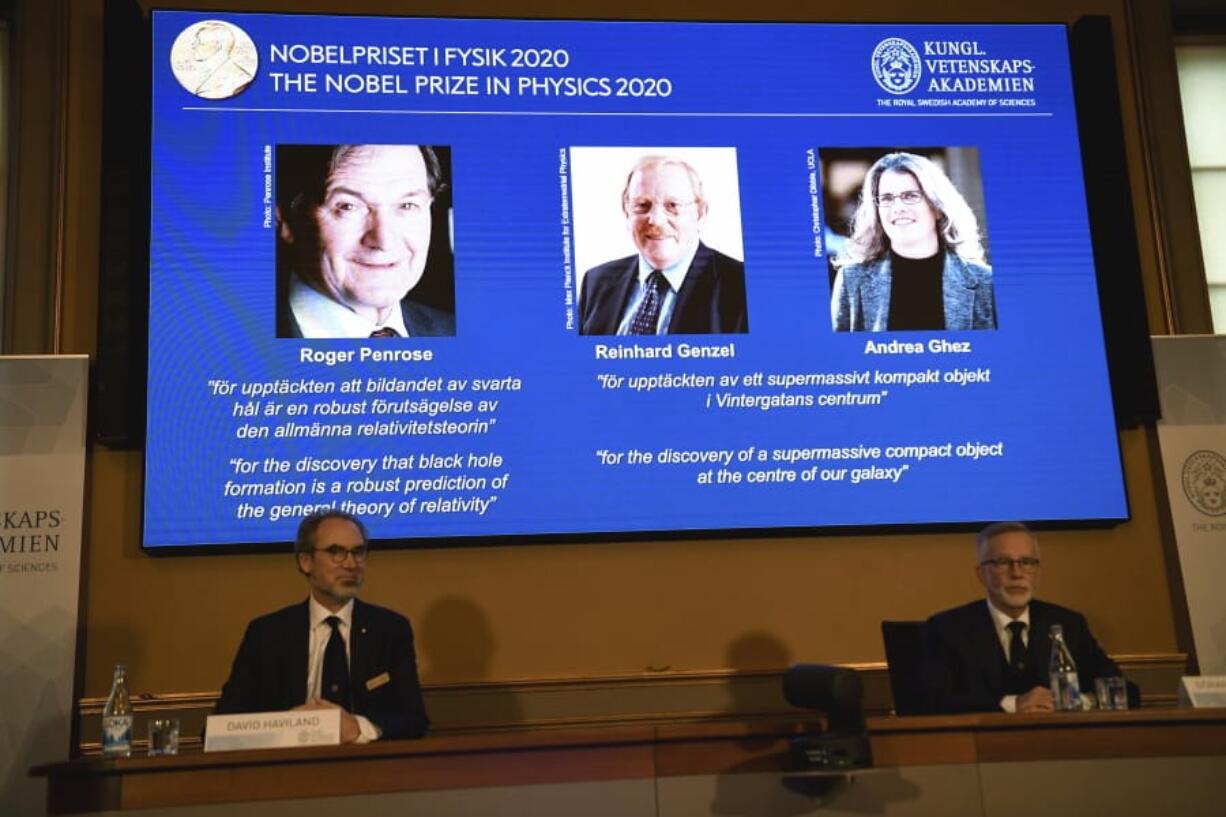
(523, 280)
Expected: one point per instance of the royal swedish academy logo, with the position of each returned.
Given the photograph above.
(1204, 482)
(896, 66)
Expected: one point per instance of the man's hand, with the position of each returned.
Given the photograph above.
(350, 731)
(1037, 699)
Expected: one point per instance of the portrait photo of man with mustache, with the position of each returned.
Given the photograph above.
(674, 283)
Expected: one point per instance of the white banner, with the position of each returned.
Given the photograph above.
(1192, 433)
(42, 480)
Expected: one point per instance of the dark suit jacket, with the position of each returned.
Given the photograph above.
(422, 321)
(965, 662)
(270, 671)
(861, 297)
(711, 299)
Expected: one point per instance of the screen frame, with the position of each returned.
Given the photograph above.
(1092, 184)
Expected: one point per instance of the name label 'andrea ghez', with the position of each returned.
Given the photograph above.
(936, 346)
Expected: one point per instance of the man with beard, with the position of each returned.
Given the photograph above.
(674, 284)
(331, 650)
(992, 656)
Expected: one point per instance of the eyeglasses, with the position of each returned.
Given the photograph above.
(1027, 564)
(641, 207)
(338, 553)
(907, 197)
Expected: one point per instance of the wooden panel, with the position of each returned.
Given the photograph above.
(1133, 787)
(475, 761)
(708, 697)
(749, 754)
(548, 756)
(1112, 734)
(332, 777)
(994, 738)
(947, 791)
(900, 749)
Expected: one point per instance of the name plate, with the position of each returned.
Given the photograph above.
(273, 730)
(1202, 691)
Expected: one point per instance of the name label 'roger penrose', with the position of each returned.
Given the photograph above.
(273, 730)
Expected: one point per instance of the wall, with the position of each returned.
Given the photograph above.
(587, 611)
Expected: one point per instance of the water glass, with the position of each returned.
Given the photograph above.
(164, 736)
(1112, 693)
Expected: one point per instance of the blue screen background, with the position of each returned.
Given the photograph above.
(775, 93)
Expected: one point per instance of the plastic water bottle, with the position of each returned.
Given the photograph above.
(1065, 687)
(117, 717)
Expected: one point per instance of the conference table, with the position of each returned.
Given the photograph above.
(1143, 762)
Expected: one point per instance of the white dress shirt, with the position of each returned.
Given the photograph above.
(1002, 622)
(319, 633)
(319, 316)
(674, 274)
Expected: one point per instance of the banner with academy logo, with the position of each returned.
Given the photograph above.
(42, 479)
(954, 73)
(1192, 433)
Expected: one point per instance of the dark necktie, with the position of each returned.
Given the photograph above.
(385, 332)
(648, 313)
(334, 681)
(1017, 647)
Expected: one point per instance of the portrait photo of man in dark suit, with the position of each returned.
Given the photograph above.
(360, 252)
(674, 283)
(331, 650)
(992, 654)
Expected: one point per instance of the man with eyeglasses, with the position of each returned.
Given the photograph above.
(993, 656)
(332, 650)
(674, 284)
